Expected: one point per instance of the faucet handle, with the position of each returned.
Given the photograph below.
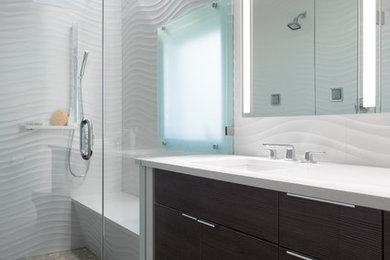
(309, 156)
(290, 153)
(272, 153)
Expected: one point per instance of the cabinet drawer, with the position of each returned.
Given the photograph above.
(220, 243)
(386, 235)
(247, 209)
(175, 237)
(329, 231)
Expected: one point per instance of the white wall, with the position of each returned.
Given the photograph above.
(140, 20)
(355, 139)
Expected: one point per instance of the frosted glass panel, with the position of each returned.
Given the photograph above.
(193, 80)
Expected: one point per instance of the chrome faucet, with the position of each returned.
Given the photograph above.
(272, 151)
(290, 151)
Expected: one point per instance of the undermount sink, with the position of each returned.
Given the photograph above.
(246, 164)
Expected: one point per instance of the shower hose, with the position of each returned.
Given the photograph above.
(72, 137)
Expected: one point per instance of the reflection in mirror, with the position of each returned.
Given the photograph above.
(283, 57)
(303, 57)
(385, 70)
(369, 50)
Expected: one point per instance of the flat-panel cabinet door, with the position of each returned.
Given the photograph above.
(250, 210)
(219, 243)
(328, 231)
(175, 237)
(386, 235)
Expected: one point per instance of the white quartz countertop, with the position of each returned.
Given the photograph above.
(352, 184)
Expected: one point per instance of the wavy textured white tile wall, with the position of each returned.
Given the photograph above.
(140, 20)
(35, 69)
(353, 139)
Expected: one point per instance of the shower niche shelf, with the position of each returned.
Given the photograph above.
(48, 127)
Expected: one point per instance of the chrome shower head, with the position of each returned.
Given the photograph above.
(84, 64)
(295, 24)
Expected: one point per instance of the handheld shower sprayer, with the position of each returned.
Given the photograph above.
(86, 128)
(83, 64)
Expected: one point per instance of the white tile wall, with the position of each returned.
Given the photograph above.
(140, 20)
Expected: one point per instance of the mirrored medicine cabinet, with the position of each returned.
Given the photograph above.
(315, 57)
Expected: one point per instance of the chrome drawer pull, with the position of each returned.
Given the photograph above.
(298, 256)
(206, 223)
(188, 216)
(321, 200)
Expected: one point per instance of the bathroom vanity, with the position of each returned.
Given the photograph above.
(234, 207)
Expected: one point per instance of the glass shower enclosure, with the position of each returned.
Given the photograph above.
(78, 105)
(52, 129)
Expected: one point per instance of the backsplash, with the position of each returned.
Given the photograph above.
(350, 139)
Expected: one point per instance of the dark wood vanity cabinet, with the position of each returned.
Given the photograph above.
(175, 237)
(220, 243)
(181, 237)
(242, 222)
(386, 235)
(222, 212)
(250, 210)
(328, 231)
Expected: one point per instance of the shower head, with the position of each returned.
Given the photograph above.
(83, 64)
(295, 24)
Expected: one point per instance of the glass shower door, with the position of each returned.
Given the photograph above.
(50, 81)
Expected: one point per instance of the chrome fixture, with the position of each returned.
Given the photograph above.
(320, 200)
(309, 156)
(206, 223)
(298, 256)
(86, 127)
(83, 64)
(86, 130)
(295, 24)
(272, 151)
(290, 151)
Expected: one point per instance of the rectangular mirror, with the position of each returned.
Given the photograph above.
(311, 57)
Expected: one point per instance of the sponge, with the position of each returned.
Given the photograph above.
(60, 118)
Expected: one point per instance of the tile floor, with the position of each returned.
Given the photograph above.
(76, 254)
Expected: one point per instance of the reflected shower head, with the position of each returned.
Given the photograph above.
(83, 64)
(295, 24)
